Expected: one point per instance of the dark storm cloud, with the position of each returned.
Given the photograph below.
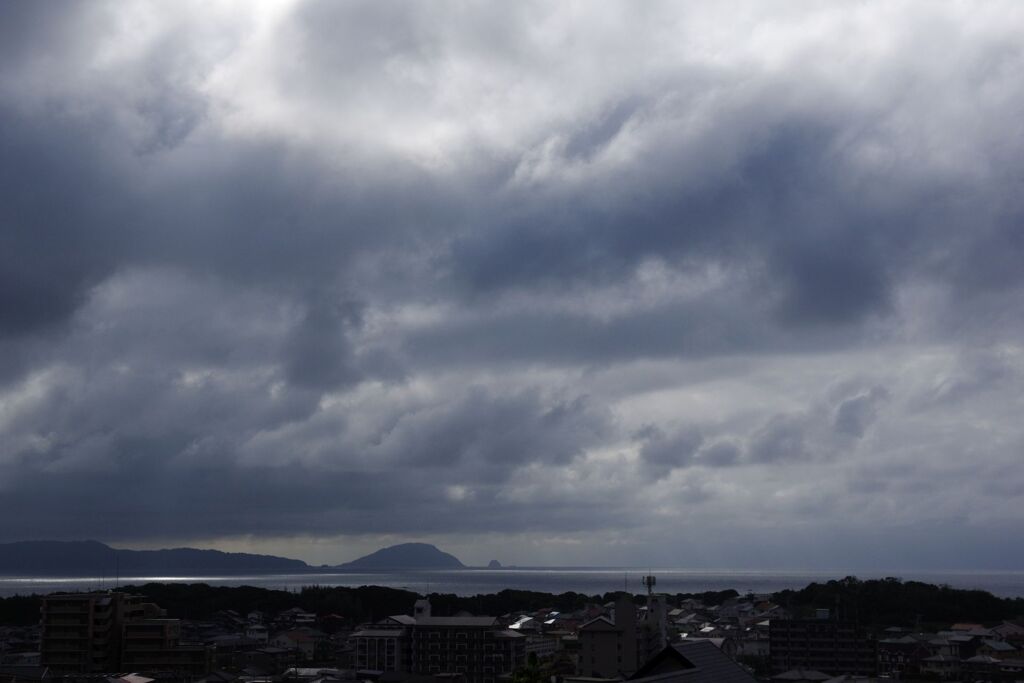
(781, 439)
(319, 351)
(175, 465)
(367, 268)
(830, 427)
(56, 240)
(792, 210)
(661, 453)
(854, 415)
(223, 428)
(495, 433)
(720, 454)
(694, 328)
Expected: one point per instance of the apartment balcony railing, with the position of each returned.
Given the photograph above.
(66, 609)
(63, 634)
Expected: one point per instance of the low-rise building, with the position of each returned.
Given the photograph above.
(998, 649)
(469, 648)
(829, 645)
(901, 656)
(155, 645)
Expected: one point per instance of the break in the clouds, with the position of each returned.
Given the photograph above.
(737, 284)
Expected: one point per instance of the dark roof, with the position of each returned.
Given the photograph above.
(222, 676)
(801, 675)
(379, 633)
(692, 662)
(19, 672)
(508, 633)
(669, 659)
(598, 621)
(403, 619)
(713, 664)
(456, 621)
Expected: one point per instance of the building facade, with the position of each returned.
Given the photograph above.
(81, 632)
(610, 647)
(85, 633)
(831, 646)
(473, 649)
(155, 645)
(381, 649)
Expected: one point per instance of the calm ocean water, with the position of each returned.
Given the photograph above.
(549, 580)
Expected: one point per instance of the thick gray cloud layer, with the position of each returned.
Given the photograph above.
(729, 285)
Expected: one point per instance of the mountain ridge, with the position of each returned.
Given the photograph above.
(93, 558)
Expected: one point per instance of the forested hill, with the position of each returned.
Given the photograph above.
(894, 602)
(92, 558)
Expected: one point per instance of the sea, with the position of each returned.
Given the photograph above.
(591, 581)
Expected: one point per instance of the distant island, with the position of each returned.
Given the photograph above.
(92, 558)
(405, 556)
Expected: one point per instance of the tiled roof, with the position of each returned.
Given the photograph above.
(709, 665)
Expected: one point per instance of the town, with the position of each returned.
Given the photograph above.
(123, 636)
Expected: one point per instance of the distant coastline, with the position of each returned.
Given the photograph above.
(470, 581)
(92, 558)
(47, 566)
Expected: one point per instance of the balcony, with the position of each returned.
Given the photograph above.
(134, 634)
(66, 609)
(65, 634)
(146, 646)
(63, 649)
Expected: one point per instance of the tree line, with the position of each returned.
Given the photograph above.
(873, 602)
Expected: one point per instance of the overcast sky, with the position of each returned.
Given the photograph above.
(733, 284)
